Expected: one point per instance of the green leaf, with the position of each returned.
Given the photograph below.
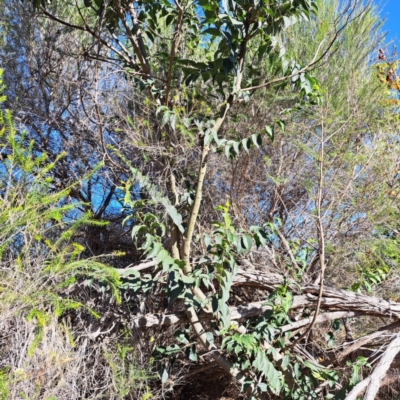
(225, 314)
(210, 337)
(148, 242)
(256, 138)
(259, 239)
(163, 373)
(165, 118)
(246, 143)
(236, 147)
(265, 366)
(175, 216)
(129, 271)
(285, 361)
(191, 353)
(181, 336)
(270, 132)
(136, 230)
(227, 65)
(162, 255)
(212, 31)
(155, 250)
(175, 287)
(228, 151)
(247, 340)
(247, 241)
(169, 19)
(188, 279)
(170, 350)
(172, 121)
(262, 386)
(281, 125)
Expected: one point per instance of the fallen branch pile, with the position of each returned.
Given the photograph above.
(383, 343)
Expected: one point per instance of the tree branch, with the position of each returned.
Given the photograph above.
(372, 383)
(174, 47)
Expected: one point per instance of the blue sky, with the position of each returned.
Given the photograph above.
(391, 12)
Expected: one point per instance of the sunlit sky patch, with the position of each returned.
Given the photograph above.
(390, 10)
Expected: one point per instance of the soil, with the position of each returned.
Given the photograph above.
(209, 387)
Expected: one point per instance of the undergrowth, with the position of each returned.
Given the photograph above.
(47, 349)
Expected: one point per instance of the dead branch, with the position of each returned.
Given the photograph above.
(320, 319)
(367, 339)
(372, 383)
(332, 299)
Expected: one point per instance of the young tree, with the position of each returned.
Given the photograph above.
(214, 112)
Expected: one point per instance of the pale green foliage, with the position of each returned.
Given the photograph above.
(37, 225)
(39, 260)
(126, 377)
(4, 391)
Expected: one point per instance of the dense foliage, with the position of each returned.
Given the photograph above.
(198, 191)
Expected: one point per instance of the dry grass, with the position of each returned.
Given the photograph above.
(62, 364)
(67, 356)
